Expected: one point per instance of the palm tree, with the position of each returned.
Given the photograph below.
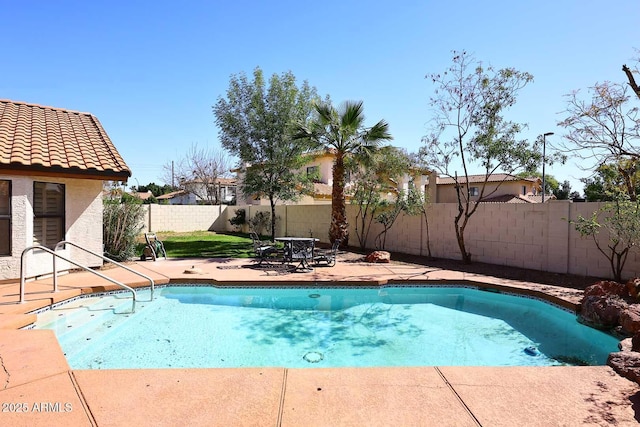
(343, 132)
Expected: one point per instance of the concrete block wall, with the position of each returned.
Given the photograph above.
(534, 236)
(181, 218)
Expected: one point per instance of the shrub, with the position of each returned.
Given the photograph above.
(239, 219)
(122, 222)
(260, 221)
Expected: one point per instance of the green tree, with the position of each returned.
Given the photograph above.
(343, 131)
(375, 177)
(256, 121)
(607, 182)
(469, 128)
(563, 191)
(620, 220)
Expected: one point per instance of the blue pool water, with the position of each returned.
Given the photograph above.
(201, 326)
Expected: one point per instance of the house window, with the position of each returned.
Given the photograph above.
(5, 217)
(48, 209)
(473, 191)
(313, 172)
(524, 190)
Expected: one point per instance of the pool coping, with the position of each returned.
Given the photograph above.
(35, 371)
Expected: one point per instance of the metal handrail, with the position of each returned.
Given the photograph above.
(104, 258)
(55, 286)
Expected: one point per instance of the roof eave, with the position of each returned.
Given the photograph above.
(77, 173)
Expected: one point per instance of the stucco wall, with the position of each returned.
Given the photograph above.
(83, 225)
(447, 192)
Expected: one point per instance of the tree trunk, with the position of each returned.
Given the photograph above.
(426, 222)
(632, 81)
(339, 226)
(466, 256)
(272, 201)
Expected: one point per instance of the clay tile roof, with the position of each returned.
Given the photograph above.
(507, 198)
(496, 177)
(171, 195)
(42, 140)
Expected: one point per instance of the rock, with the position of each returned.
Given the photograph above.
(630, 319)
(601, 312)
(378, 256)
(606, 287)
(635, 342)
(626, 364)
(625, 345)
(633, 287)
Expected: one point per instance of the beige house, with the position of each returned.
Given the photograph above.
(500, 188)
(320, 165)
(52, 166)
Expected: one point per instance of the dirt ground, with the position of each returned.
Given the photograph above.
(502, 271)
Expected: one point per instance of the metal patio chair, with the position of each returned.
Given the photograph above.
(327, 256)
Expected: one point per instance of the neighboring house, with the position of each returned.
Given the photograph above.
(321, 166)
(179, 197)
(225, 188)
(142, 195)
(500, 188)
(52, 166)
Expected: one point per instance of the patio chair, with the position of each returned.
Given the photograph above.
(263, 250)
(327, 256)
(154, 248)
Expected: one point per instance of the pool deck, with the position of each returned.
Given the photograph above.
(39, 388)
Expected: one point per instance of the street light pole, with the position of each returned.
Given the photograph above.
(544, 160)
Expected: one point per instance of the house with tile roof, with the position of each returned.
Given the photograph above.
(320, 165)
(209, 191)
(52, 166)
(180, 197)
(499, 188)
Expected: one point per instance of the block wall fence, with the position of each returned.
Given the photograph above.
(534, 236)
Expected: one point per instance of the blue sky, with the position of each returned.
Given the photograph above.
(150, 71)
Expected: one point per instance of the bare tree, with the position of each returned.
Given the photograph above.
(199, 173)
(603, 130)
(469, 127)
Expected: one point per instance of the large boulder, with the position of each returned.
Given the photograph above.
(626, 364)
(635, 342)
(633, 287)
(630, 319)
(606, 288)
(601, 312)
(378, 256)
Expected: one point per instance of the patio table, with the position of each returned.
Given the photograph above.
(298, 249)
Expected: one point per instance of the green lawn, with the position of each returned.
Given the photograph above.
(204, 244)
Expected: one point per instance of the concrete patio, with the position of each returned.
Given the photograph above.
(39, 388)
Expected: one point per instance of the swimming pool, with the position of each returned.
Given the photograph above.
(205, 326)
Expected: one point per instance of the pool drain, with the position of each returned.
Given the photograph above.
(314, 295)
(313, 357)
